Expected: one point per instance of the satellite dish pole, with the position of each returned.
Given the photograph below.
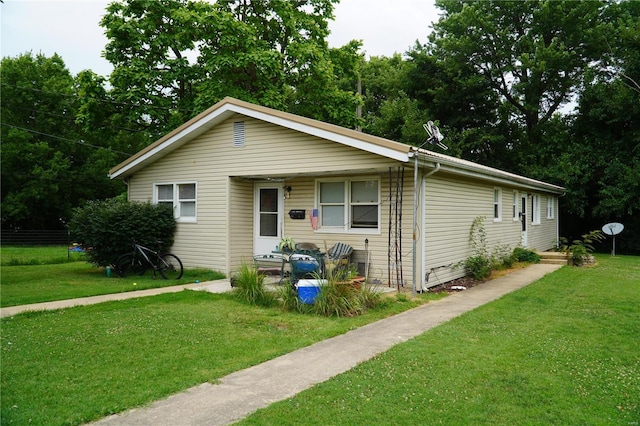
(435, 138)
(613, 229)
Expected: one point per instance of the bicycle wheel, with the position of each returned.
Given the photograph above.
(170, 266)
(128, 265)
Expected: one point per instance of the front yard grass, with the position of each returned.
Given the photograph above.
(34, 275)
(76, 365)
(562, 351)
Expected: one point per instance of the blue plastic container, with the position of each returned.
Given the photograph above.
(308, 290)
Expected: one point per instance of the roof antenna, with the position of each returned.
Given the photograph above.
(435, 137)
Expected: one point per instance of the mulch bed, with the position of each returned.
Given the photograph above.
(456, 285)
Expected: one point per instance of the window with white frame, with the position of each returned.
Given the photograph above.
(349, 205)
(497, 204)
(551, 207)
(514, 206)
(535, 209)
(181, 197)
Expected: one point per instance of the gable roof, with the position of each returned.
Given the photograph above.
(230, 106)
(401, 152)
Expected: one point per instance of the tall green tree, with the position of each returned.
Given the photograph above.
(533, 54)
(49, 164)
(175, 58)
(152, 44)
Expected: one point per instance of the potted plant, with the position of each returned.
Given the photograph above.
(287, 244)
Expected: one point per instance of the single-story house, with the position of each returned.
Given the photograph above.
(241, 176)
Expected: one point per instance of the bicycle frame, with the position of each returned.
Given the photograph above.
(143, 251)
(141, 258)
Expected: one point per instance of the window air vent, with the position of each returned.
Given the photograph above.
(238, 134)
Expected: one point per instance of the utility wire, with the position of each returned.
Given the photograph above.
(73, 121)
(79, 142)
(97, 99)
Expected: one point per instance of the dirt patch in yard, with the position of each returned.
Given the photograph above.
(465, 283)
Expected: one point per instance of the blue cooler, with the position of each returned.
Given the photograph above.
(308, 290)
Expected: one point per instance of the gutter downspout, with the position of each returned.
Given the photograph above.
(415, 216)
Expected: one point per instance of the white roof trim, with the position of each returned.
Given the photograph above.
(321, 133)
(200, 126)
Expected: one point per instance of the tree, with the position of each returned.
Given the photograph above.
(533, 54)
(49, 164)
(150, 43)
(174, 58)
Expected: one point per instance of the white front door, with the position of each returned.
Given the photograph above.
(268, 216)
(523, 218)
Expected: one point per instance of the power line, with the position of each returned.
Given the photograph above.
(80, 142)
(72, 120)
(97, 99)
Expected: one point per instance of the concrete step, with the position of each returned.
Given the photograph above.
(553, 258)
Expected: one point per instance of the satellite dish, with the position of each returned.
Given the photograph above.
(435, 137)
(613, 229)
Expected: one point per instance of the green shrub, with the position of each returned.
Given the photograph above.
(524, 255)
(107, 228)
(289, 299)
(340, 300)
(502, 257)
(579, 250)
(478, 267)
(249, 287)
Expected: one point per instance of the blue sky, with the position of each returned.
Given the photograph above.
(70, 28)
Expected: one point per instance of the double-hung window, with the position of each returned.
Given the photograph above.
(551, 211)
(535, 210)
(349, 205)
(497, 204)
(514, 207)
(180, 197)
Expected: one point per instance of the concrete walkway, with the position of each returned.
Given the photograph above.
(243, 392)
(219, 286)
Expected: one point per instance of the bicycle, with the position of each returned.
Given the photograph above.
(142, 258)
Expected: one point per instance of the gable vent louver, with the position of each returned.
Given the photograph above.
(238, 134)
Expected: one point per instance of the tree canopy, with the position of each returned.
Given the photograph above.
(547, 89)
(175, 58)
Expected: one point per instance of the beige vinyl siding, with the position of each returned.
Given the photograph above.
(303, 197)
(240, 233)
(452, 204)
(222, 237)
(542, 236)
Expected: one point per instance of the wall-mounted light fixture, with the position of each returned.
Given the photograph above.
(287, 191)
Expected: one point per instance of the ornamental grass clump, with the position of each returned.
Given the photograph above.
(249, 287)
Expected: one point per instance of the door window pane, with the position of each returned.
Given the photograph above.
(269, 200)
(268, 225)
(268, 212)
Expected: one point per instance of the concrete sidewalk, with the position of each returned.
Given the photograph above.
(219, 286)
(243, 392)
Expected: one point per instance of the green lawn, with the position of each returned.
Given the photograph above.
(37, 255)
(42, 274)
(563, 351)
(76, 365)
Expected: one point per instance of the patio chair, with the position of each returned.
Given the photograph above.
(306, 247)
(338, 258)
